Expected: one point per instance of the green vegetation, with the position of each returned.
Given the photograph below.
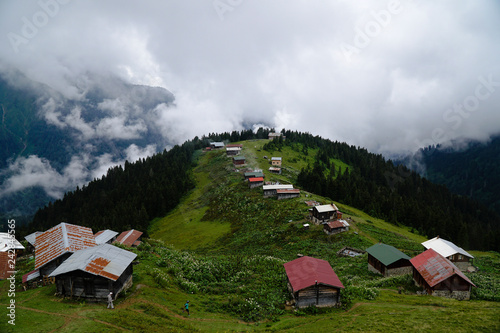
(223, 248)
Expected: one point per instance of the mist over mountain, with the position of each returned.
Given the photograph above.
(469, 168)
(51, 144)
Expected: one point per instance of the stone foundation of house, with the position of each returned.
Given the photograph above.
(459, 295)
(373, 269)
(462, 265)
(399, 271)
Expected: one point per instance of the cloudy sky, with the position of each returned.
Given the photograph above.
(391, 76)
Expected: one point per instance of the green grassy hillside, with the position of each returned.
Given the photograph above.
(223, 248)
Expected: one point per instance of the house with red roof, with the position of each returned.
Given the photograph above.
(313, 282)
(255, 182)
(440, 277)
(55, 245)
(129, 238)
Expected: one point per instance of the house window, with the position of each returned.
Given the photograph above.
(460, 257)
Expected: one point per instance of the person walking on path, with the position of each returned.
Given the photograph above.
(186, 307)
(110, 300)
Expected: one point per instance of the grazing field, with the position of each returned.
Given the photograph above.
(223, 249)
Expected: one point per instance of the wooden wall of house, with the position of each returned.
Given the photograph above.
(376, 264)
(92, 287)
(319, 295)
(453, 283)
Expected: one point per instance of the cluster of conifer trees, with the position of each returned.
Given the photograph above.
(394, 193)
(131, 196)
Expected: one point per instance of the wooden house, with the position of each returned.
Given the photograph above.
(272, 136)
(387, 260)
(458, 256)
(129, 238)
(233, 149)
(275, 170)
(271, 190)
(55, 245)
(287, 193)
(105, 236)
(276, 161)
(440, 277)
(324, 213)
(93, 272)
(334, 227)
(313, 282)
(239, 160)
(255, 182)
(32, 279)
(216, 145)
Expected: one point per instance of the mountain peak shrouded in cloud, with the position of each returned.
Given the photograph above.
(391, 76)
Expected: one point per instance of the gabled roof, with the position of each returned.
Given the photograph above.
(288, 190)
(217, 144)
(277, 187)
(104, 236)
(8, 242)
(326, 208)
(435, 268)
(256, 179)
(234, 145)
(444, 247)
(31, 238)
(238, 158)
(61, 239)
(31, 275)
(275, 158)
(306, 271)
(254, 174)
(338, 224)
(104, 260)
(128, 237)
(386, 254)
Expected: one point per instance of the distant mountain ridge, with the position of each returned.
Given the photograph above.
(473, 171)
(50, 143)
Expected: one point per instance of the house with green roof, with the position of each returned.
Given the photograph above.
(387, 260)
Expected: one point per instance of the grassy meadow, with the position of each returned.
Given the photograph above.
(223, 249)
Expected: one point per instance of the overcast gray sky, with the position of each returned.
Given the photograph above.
(390, 76)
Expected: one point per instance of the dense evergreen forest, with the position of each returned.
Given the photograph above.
(395, 193)
(474, 172)
(133, 195)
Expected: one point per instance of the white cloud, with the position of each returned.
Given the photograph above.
(278, 63)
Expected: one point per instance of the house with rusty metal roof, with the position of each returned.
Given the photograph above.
(458, 256)
(440, 277)
(313, 282)
(334, 227)
(105, 236)
(55, 245)
(129, 238)
(388, 261)
(94, 272)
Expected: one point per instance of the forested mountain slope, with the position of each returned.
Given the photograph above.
(474, 171)
(131, 196)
